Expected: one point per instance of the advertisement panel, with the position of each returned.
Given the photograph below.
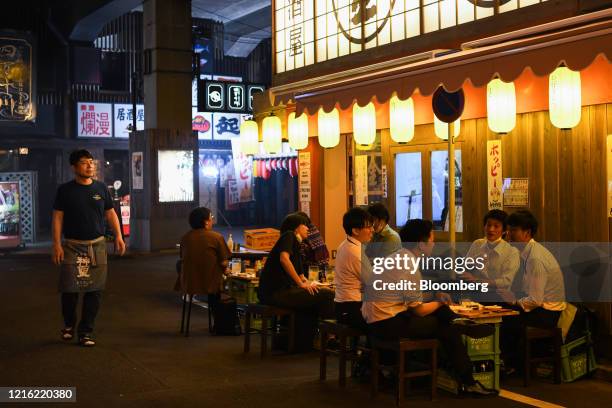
(10, 234)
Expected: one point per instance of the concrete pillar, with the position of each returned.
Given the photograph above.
(334, 194)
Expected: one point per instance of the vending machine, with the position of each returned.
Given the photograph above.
(10, 231)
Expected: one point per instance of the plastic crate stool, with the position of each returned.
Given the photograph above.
(343, 334)
(268, 313)
(402, 346)
(536, 333)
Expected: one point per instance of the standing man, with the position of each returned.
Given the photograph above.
(79, 211)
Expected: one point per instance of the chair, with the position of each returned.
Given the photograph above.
(268, 313)
(400, 347)
(536, 333)
(343, 333)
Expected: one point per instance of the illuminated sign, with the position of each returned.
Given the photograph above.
(236, 98)
(252, 90)
(214, 98)
(226, 96)
(311, 31)
(17, 99)
(94, 119)
(122, 115)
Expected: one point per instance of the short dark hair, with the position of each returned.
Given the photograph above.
(303, 214)
(77, 155)
(525, 220)
(198, 216)
(292, 221)
(356, 217)
(378, 210)
(415, 231)
(498, 215)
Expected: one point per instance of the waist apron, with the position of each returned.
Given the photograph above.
(85, 266)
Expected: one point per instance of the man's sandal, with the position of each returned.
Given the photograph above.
(87, 341)
(67, 333)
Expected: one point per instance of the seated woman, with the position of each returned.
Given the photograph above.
(205, 257)
(282, 282)
(403, 314)
(313, 250)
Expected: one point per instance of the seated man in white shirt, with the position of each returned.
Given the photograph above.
(350, 259)
(502, 260)
(403, 314)
(539, 292)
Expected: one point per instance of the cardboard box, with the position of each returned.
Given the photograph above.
(263, 238)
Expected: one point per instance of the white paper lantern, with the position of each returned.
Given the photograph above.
(564, 98)
(297, 129)
(441, 128)
(272, 134)
(364, 124)
(329, 128)
(401, 119)
(249, 137)
(501, 106)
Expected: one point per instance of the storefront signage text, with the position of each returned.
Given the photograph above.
(494, 174)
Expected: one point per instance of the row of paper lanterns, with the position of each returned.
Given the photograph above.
(564, 111)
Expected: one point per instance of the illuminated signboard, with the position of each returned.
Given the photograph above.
(94, 119)
(17, 99)
(226, 96)
(311, 31)
(122, 114)
(175, 175)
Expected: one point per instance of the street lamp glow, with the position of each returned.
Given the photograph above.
(564, 98)
(401, 119)
(364, 124)
(501, 106)
(297, 130)
(329, 128)
(272, 134)
(441, 128)
(249, 137)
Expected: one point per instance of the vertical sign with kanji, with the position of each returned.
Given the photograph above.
(94, 119)
(494, 174)
(304, 177)
(123, 116)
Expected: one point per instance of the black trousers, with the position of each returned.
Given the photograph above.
(91, 305)
(511, 336)
(436, 325)
(349, 313)
(320, 304)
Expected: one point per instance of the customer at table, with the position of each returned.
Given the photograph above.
(313, 250)
(539, 290)
(350, 259)
(502, 260)
(385, 240)
(282, 282)
(404, 314)
(204, 255)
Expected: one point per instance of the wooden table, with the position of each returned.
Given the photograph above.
(250, 254)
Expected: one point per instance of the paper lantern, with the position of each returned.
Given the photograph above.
(401, 119)
(564, 98)
(249, 137)
(272, 134)
(329, 128)
(441, 128)
(501, 106)
(364, 124)
(298, 131)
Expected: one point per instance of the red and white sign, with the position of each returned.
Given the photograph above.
(94, 119)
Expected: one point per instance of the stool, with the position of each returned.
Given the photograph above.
(536, 333)
(343, 333)
(267, 313)
(402, 346)
(186, 315)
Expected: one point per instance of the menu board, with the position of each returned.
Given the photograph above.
(516, 192)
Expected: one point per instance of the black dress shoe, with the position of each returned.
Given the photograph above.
(473, 329)
(479, 390)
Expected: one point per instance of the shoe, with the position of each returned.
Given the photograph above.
(67, 333)
(477, 389)
(472, 329)
(87, 341)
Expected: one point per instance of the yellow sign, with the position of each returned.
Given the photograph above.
(311, 31)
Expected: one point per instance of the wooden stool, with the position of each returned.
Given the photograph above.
(267, 313)
(343, 333)
(402, 346)
(536, 333)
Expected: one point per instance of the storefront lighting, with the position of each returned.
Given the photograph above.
(272, 134)
(401, 119)
(329, 128)
(441, 128)
(501, 106)
(364, 124)
(564, 98)
(298, 131)
(249, 137)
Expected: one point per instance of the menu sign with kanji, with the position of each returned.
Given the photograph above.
(516, 192)
(494, 174)
(94, 119)
(123, 119)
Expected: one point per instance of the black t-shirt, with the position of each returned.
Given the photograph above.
(83, 207)
(273, 277)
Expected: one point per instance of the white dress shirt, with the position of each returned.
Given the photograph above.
(347, 278)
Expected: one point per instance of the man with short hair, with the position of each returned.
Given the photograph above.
(385, 240)
(80, 209)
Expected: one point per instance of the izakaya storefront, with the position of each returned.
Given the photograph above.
(533, 133)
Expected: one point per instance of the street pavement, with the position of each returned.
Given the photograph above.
(141, 360)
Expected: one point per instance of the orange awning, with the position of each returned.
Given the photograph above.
(576, 47)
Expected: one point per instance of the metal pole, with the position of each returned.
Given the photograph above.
(451, 187)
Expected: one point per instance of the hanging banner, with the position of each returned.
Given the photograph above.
(384, 181)
(123, 118)
(137, 177)
(94, 119)
(361, 180)
(304, 176)
(494, 174)
(609, 160)
(243, 172)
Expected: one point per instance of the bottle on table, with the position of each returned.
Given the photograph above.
(230, 243)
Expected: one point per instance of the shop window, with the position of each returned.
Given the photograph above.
(439, 190)
(408, 187)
